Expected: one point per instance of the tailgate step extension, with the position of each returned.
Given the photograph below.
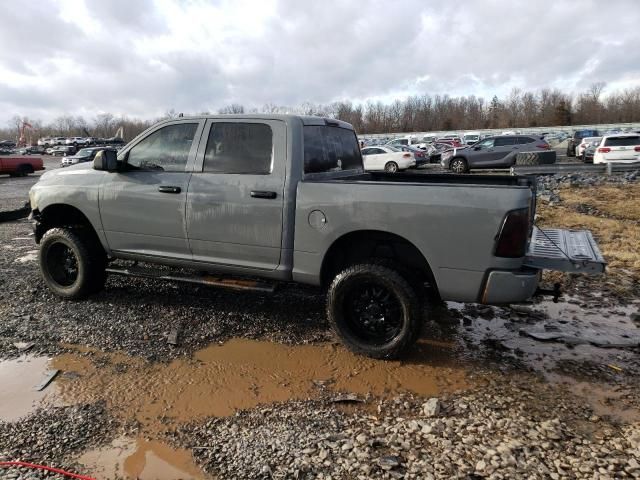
(232, 283)
(565, 251)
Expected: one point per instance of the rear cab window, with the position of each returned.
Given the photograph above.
(622, 141)
(330, 149)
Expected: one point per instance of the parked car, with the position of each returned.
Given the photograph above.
(420, 155)
(386, 158)
(470, 138)
(576, 138)
(7, 144)
(492, 152)
(32, 150)
(584, 143)
(55, 141)
(62, 150)
(282, 198)
(620, 148)
(83, 155)
(587, 155)
(75, 141)
(20, 166)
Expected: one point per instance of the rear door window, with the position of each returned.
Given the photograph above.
(330, 149)
(525, 140)
(240, 148)
(505, 141)
(622, 141)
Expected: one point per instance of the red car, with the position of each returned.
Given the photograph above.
(20, 166)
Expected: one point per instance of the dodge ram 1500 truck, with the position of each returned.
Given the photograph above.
(248, 201)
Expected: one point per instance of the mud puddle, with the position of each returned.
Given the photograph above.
(141, 460)
(545, 335)
(18, 379)
(608, 401)
(240, 374)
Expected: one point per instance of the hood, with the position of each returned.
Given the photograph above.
(75, 169)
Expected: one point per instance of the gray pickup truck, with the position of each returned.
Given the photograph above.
(249, 201)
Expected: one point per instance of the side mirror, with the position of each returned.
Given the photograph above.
(106, 160)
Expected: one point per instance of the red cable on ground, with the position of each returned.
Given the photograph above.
(43, 467)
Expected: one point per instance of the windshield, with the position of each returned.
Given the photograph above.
(85, 152)
(330, 149)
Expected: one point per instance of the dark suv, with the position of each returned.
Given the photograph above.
(577, 137)
(492, 152)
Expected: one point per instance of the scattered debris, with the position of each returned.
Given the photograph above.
(23, 346)
(47, 380)
(347, 398)
(172, 339)
(431, 407)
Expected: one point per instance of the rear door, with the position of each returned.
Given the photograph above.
(374, 158)
(505, 149)
(236, 194)
(142, 206)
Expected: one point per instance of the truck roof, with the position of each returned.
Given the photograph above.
(305, 119)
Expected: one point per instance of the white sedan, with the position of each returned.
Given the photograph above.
(623, 148)
(387, 159)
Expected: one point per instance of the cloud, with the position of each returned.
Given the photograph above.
(141, 58)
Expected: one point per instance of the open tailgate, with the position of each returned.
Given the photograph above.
(564, 251)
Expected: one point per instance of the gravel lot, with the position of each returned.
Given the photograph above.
(567, 408)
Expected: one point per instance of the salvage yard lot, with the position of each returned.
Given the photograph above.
(256, 387)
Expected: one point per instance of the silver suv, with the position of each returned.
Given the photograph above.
(492, 152)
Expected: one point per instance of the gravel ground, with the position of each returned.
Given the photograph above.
(511, 428)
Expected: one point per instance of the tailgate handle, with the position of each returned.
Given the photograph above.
(168, 189)
(263, 194)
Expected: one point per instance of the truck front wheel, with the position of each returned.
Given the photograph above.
(374, 310)
(72, 263)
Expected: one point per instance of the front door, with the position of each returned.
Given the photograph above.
(235, 199)
(142, 206)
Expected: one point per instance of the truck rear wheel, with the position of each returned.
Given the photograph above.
(72, 263)
(374, 310)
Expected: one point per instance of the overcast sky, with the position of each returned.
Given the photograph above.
(144, 57)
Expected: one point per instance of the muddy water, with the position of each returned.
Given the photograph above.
(17, 381)
(240, 374)
(140, 459)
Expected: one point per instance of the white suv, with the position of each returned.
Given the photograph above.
(75, 141)
(622, 147)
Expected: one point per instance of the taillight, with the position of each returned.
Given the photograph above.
(604, 150)
(512, 239)
(544, 146)
(407, 155)
(637, 149)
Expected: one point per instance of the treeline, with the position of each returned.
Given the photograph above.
(547, 107)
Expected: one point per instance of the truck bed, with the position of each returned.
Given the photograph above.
(442, 179)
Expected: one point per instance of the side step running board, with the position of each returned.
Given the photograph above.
(204, 279)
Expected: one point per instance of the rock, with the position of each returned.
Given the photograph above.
(431, 407)
(480, 466)
(389, 461)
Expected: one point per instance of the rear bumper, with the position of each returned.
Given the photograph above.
(509, 286)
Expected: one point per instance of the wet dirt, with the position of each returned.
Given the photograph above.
(18, 378)
(141, 460)
(241, 373)
(576, 332)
